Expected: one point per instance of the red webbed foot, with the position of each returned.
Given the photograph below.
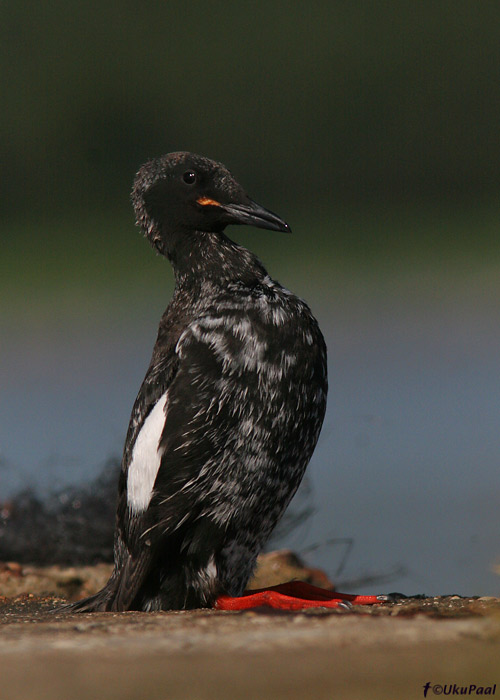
(294, 595)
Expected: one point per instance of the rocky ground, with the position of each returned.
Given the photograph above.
(386, 651)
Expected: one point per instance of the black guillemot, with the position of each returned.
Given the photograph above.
(228, 414)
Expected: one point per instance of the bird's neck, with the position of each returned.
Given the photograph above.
(200, 257)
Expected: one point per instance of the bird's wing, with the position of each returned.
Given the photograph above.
(201, 409)
(156, 382)
(205, 402)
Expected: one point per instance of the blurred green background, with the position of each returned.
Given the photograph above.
(320, 109)
(372, 128)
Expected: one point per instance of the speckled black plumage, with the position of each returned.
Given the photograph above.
(240, 365)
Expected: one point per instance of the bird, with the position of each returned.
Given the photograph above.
(230, 409)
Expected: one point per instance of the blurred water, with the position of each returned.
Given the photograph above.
(407, 464)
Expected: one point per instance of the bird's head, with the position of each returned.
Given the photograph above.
(182, 192)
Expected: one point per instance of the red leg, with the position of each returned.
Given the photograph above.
(294, 595)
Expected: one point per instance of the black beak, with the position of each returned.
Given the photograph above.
(255, 215)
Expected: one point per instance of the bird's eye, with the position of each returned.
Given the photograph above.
(189, 177)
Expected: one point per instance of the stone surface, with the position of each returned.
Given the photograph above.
(257, 654)
(384, 651)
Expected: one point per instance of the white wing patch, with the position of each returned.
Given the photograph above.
(146, 458)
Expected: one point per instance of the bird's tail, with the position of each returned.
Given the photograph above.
(99, 602)
(119, 592)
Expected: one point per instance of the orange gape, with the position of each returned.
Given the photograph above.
(206, 201)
